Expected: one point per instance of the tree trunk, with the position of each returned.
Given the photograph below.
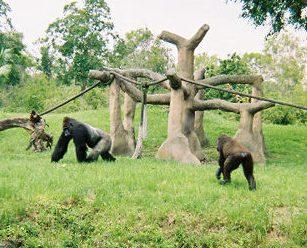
(199, 115)
(257, 125)
(182, 143)
(121, 138)
(246, 136)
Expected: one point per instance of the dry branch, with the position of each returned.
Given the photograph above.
(199, 105)
(198, 37)
(172, 38)
(35, 125)
(134, 92)
(232, 79)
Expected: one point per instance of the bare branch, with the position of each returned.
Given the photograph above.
(136, 94)
(199, 105)
(142, 73)
(24, 123)
(258, 106)
(199, 74)
(103, 76)
(232, 79)
(173, 38)
(198, 37)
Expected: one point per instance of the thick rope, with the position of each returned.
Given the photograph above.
(133, 81)
(244, 94)
(143, 125)
(73, 98)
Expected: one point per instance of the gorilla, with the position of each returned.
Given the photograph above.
(232, 154)
(84, 136)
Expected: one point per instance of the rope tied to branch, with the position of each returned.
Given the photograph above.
(74, 97)
(143, 123)
(243, 94)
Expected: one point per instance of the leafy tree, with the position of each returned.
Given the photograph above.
(5, 21)
(282, 63)
(140, 49)
(13, 58)
(210, 63)
(46, 61)
(234, 64)
(278, 12)
(79, 40)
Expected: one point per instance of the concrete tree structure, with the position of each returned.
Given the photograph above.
(185, 134)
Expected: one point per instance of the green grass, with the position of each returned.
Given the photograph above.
(148, 202)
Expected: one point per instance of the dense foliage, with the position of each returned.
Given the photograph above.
(277, 13)
(40, 93)
(5, 20)
(140, 49)
(232, 65)
(79, 41)
(13, 58)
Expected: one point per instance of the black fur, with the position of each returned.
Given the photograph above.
(232, 154)
(84, 136)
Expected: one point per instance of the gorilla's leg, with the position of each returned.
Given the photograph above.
(220, 169)
(60, 148)
(81, 148)
(81, 153)
(248, 169)
(102, 148)
(231, 163)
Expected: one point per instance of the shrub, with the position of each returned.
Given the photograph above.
(40, 93)
(284, 115)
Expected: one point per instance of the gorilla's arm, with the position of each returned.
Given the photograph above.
(80, 135)
(60, 148)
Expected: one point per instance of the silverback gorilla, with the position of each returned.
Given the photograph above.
(232, 154)
(84, 136)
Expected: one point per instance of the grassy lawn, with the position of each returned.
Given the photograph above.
(148, 202)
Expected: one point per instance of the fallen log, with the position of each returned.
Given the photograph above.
(35, 125)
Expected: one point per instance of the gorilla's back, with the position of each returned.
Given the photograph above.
(95, 135)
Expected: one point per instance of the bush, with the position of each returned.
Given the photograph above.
(39, 93)
(285, 115)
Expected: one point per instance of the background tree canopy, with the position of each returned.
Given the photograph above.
(5, 21)
(79, 41)
(277, 12)
(140, 49)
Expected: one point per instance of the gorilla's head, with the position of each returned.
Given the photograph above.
(67, 126)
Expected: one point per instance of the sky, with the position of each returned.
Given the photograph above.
(228, 32)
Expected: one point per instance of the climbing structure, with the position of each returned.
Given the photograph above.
(185, 134)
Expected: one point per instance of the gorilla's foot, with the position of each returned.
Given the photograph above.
(107, 157)
(224, 182)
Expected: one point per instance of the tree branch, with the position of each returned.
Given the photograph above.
(173, 38)
(198, 37)
(258, 106)
(199, 105)
(16, 122)
(142, 73)
(232, 79)
(137, 95)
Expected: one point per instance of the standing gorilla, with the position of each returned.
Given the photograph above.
(83, 136)
(232, 154)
